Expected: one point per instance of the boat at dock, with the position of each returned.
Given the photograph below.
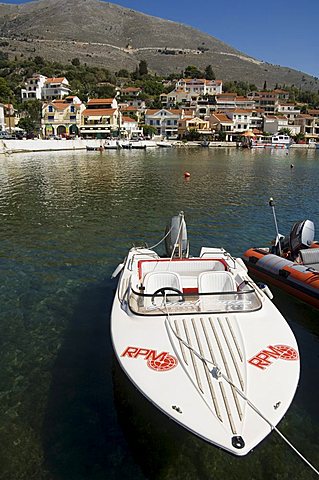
(203, 342)
(164, 144)
(291, 263)
(275, 141)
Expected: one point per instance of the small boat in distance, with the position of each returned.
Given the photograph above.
(292, 263)
(164, 144)
(111, 145)
(94, 149)
(203, 342)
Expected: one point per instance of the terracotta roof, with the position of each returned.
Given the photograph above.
(222, 118)
(128, 108)
(96, 101)
(99, 112)
(128, 119)
(55, 80)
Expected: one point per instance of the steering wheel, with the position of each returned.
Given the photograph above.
(163, 290)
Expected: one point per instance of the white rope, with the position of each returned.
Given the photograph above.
(156, 244)
(216, 371)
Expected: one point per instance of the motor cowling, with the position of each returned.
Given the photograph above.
(176, 241)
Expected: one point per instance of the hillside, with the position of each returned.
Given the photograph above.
(104, 34)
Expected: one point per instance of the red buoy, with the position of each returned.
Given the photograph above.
(187, 174)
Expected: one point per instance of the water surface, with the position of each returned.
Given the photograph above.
(67, 219)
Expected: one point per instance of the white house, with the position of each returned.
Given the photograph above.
(55, 88)
(200, 86)
(164, 120)
(33, 87)
(130, 126)
(241, 119)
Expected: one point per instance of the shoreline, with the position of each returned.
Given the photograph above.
(38, 145)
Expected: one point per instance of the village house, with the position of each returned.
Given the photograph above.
(11, 118)
(220, 122)
(131, 96)
(165, 121)
(131, 128)
(187, 124)
(101, 118)
(200, 86)
(289, 110)
(270, 100)
(274, 123)
(62, 117)
(309, 125)
(33, 87)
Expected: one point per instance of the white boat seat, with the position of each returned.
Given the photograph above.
(215, 282)
(153, 281)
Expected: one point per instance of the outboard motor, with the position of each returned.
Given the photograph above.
(302, 235)
(176, 242)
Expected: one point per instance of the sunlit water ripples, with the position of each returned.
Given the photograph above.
(67, 220)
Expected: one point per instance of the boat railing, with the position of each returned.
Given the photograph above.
(175, 303)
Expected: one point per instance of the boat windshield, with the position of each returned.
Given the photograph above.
(174, 302)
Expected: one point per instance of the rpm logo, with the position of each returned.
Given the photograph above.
(282, 352)
(160, 362)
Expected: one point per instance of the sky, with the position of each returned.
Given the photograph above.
(276, 31)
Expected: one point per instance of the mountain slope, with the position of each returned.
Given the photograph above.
(101, 33)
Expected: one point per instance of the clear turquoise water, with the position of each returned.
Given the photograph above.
(67, 219)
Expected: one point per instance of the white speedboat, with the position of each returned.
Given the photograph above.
(164, 144)
(203, 342)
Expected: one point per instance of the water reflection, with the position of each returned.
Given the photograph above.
(67, 220)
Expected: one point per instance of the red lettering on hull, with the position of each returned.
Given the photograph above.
(160, 362)
(282, 352)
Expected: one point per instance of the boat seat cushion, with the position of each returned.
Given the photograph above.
(211, 282)
(156, 280)
(310, 257)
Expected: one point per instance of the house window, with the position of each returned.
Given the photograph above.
(50, 108)
(51, 117)
(72, 117)
(72, 109)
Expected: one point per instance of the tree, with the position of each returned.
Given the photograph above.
(5, 91)
(123, 73)
(142, 68)
(192, 72)
(265, 85)
(31, 119)
(209, 73)
(149, 130)
(75, 62)
(285, 131)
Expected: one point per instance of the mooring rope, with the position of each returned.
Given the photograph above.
(217, 373)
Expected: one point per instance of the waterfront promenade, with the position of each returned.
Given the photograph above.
(38, 145)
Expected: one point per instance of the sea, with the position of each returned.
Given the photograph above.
(67, 411)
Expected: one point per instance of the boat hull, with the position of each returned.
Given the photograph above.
(199, 368)
(294, 279)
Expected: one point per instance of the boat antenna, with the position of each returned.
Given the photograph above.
(272, 205)
(180, 239)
